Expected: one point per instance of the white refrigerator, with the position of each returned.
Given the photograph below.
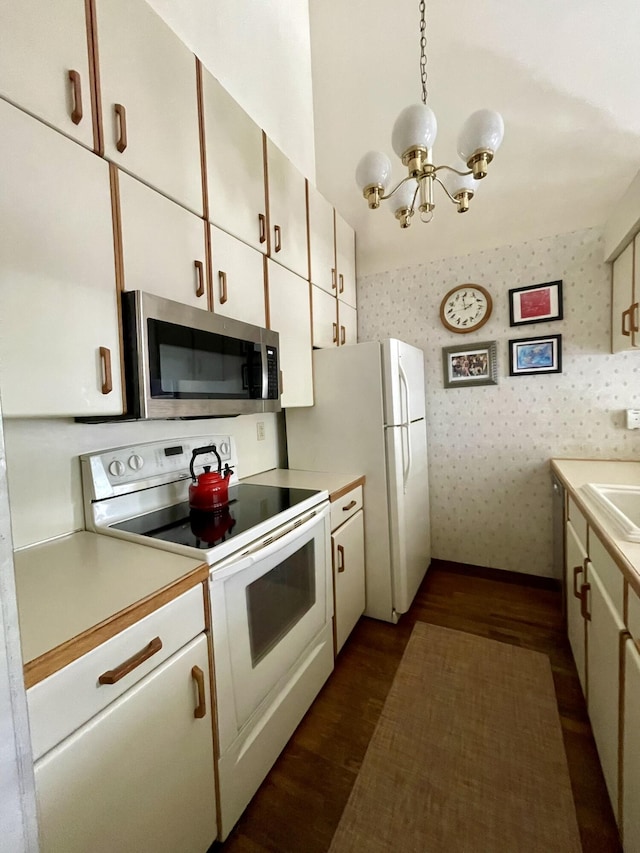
(369, 418)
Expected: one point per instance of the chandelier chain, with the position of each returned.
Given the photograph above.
(423, 51)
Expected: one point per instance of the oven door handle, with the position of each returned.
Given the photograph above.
(268, 545)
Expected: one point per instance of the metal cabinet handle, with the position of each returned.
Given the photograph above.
(335, 333)
(278, 235)
(584, 589)
(107, 380)
(341, 279)
(349, 506)
(343, 335)
(113, 675)
(201, 708)
(341, 558)
(76, 89)
(577, 570)
(121, 120)
(263, 227)
(199, 277)
(222, 278)
(333, 278)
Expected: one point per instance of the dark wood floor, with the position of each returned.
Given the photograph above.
(297, 808)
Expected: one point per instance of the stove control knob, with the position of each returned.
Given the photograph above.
(136, 462)
(116, 468)
(224, 448)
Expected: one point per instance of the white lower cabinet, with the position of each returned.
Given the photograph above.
(576, 557)
(59, 332)
(631, 750)
(290, 315)
(138, 776)
(348, 573)
(163, 245)
(238, 279)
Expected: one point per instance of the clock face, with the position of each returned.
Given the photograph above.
(466, 308)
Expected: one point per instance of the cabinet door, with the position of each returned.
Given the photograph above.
(138, 776)
(238, 279)
(574, 578)
(348, 572)
(287, 212)
(44, 63)
(163, 245)
(149, 100)
(289, 312)
(348, 321)
(346, 261)
(59, 334)
(235, 166)
(603, 666)
(631, 750)
(325, 318)
(624, 315)
(322, 252)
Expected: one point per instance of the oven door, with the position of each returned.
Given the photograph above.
(268, 607)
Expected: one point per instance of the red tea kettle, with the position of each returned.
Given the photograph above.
(209, 491)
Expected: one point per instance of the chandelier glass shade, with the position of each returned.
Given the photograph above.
(412, 138)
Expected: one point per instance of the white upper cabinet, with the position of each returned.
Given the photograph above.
(322, 251)
(148, 89)
(325, 319)
(287, 212)
(625, 290)
(289, 313)
(346, 261)
(235, 166)
(44, 63)
(348, 324)
(163, 245)
(59, 333)
(238, 279)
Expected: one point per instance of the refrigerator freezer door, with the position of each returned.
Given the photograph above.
(403, 382)
(409, 522)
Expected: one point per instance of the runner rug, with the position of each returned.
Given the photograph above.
(467, 756)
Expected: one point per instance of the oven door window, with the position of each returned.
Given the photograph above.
(279, 599)
(190, 364)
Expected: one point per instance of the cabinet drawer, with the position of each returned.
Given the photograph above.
(346, 506)
(578, 522)
(58, 705)
(633, 617)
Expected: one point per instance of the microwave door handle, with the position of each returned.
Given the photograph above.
(265, 371)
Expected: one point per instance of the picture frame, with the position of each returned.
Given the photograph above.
(532, 356)
(468, 365)
(538, 303)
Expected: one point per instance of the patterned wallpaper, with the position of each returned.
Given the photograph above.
(489, 446)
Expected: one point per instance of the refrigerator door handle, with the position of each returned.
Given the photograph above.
(406, 469)
(403, 382)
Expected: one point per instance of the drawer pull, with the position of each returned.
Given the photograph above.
(335, 333)
(333, 278)
(76, 113)
(577, 570)
(278, 235)
(107, 376)
(198, 676)
(340, 558)
(113, 675)
(341, 280)
(222, 278)
(121, 119)
(349, 506)
(343, 335)
(584, 589)
(262, 220)
(199, 278)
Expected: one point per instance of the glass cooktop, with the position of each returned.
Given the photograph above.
(248, 506)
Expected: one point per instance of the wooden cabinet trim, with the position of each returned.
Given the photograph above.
(94, 76)
(118, 259)
(267, 200)
(624, 636)
(203, 140)
(45, 665)
(339, 493)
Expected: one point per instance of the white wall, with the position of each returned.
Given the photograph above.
(260, 53)
(489, 447)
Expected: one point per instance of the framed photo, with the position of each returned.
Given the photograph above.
(538, 303)
(466, 365)
(535, 355)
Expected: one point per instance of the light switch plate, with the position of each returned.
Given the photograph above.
(633, 418)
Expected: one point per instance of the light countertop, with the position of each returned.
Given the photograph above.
(75, 592)
(335, 484)
(575, 473)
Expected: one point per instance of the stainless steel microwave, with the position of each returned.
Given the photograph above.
(184, 362)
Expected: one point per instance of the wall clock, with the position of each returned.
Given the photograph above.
(466, 308)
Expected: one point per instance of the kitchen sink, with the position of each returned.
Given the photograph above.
(620, 504)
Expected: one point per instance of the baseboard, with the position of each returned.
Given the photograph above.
(535, 581)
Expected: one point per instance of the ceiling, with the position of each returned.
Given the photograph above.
(565, 77)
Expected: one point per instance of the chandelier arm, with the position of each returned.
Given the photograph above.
(436, 178)
(397, 187)
(451, 169)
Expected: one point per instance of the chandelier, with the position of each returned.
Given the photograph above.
(413, 135)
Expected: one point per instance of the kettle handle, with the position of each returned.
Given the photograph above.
(197, 451)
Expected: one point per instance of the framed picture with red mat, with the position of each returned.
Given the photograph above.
(538, 303)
